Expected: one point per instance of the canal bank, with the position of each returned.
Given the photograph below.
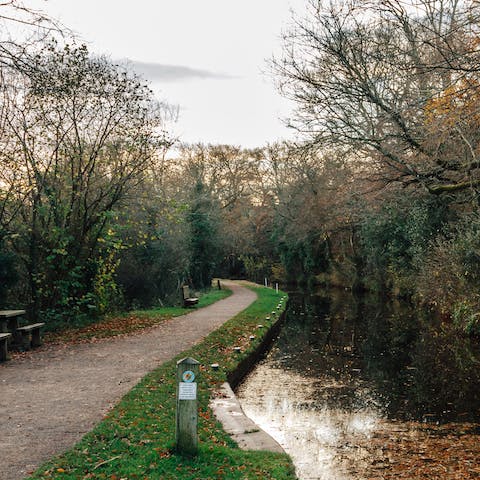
(226, 407)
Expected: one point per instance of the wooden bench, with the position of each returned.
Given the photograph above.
(29, 336)
(188, 301)
(3, 346)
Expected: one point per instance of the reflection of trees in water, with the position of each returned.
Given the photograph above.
(421, 367)
(446, 374)
(390, 331)
(418, 367)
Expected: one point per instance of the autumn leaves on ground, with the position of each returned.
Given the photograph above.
(409, 450)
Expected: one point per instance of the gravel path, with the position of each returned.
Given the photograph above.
(51, 397)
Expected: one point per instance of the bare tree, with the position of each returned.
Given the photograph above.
(230, 172)
(390, 81)
(21, 27)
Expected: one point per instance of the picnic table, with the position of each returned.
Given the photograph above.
(13, 334)
(10, 320)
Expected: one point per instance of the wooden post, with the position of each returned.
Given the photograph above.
(187, 410)
(218, 285)
(276, 287)
(266, 283)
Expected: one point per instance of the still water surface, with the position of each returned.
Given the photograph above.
(348, 374)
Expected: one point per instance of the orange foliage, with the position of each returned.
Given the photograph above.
(458, 102)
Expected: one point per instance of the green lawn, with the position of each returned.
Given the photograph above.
(136, 439)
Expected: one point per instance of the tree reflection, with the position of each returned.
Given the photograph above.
(414, 365)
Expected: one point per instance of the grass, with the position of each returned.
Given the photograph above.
(136, 439)
(131, 321)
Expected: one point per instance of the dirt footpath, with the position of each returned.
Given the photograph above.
(51, 397)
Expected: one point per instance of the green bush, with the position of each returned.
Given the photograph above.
(8, 272)
(450, 275)
(395, 239)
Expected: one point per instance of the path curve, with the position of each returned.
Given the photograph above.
(50, 398)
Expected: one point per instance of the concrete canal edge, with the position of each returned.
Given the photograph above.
(227, 408)
(242, 429)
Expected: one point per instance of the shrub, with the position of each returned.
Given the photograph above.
(395, 239)
(449, 278)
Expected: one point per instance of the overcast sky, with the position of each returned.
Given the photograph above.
(207, 56)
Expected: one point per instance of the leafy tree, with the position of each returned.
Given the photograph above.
(395, 239)
(155, 231)
(79, 134)
(204, 245)
(8, 272)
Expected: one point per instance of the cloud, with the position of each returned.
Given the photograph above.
(172, 73)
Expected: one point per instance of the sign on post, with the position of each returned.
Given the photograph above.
(187, 410)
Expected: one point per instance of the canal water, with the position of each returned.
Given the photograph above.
(358, 387)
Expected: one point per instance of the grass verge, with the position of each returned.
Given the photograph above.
(136, 439)
(130, 322)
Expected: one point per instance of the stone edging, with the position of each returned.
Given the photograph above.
(227, 408)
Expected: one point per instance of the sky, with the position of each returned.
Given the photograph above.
(209, 57)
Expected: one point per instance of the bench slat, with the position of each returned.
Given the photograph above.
(5, 335)
(33, 326)
(11, 313)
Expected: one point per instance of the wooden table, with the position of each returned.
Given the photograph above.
(9, 320)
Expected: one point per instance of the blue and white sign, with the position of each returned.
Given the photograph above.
(188, 376)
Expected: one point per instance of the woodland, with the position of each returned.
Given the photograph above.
(102, 209)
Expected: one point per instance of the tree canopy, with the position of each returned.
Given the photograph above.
(381, 78)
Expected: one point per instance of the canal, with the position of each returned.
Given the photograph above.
(357, 387)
